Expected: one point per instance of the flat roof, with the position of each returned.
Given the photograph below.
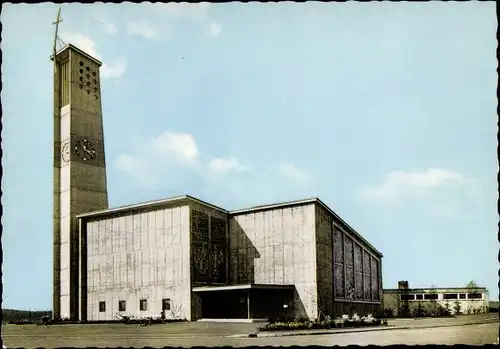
(179, 199)
(243, 287)
(149, 204)
(67, 47)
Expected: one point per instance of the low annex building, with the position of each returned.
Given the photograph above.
(404, 301)
(185, 258)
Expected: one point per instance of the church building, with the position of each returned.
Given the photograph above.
(182, 257)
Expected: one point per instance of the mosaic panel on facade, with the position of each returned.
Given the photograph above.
(199, 225)
(338, 248)
(358, 259)
(218, 229)
(339, 280)
(200, 262)
(348, 251)
(367, 287)
(349, 279)
(358, 284)
(374, 266)
(375, 289)
(366, 263)
(218, 263)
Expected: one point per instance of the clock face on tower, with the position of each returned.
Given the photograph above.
(85, 150)
(65, 152)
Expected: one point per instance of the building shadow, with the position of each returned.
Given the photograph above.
(281, 303)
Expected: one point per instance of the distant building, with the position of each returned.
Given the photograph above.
(404, 301)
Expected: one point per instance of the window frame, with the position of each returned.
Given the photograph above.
(431, 296)
(102, 306)
(166, 304)
(143, 304)
(475, 293)
(120, 303)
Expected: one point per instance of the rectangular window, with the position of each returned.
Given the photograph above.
(102, 307)
(462, 296)
(143, 305)
(431, 296)
(419, 297)
(165, 304)
(450, 296)
(407, 297)
(121, 306)
(475, 296)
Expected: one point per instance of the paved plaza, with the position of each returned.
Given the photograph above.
(461, 330)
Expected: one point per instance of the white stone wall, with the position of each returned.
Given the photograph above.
(277, 247)
(143, 255)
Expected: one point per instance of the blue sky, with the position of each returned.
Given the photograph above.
(385, 111)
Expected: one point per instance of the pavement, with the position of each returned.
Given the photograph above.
(473, 329)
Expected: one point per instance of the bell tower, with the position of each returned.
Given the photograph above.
(80, 184)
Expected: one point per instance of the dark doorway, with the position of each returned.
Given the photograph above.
(225, 304)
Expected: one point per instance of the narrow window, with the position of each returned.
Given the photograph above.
(431, 296)
(165, 304)
(121, 306)
(143, 305)
(407, 297)
(475, 296)
(102, 307)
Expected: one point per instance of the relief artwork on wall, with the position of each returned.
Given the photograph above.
(375, 283)
(366, 275)
(218, 229)
(337, 246)
(200, 262)
(199, 223)
(339, 280)
(348, 251)
(218, 263)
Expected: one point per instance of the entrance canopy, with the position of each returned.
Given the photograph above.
(248, 301)
(243, 287)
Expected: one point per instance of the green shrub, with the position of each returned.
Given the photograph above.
(345, 321)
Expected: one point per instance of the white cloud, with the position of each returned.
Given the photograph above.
(214, 29)
(181, 146)
(173, 160)
(294, 173)
(142, 28)
(194, 11)
(109, 28)
(433, 185)
(217, 168)
(113, 70)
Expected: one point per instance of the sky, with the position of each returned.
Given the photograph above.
(385, 111)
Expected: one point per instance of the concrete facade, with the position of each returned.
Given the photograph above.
(276, 246)
(182, 257)
(457, 300)
(199, 256)
(79, 167)
(140, 256)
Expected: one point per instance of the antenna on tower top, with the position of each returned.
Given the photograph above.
(56, 37)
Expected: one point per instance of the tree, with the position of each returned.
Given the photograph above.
(475, 305)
